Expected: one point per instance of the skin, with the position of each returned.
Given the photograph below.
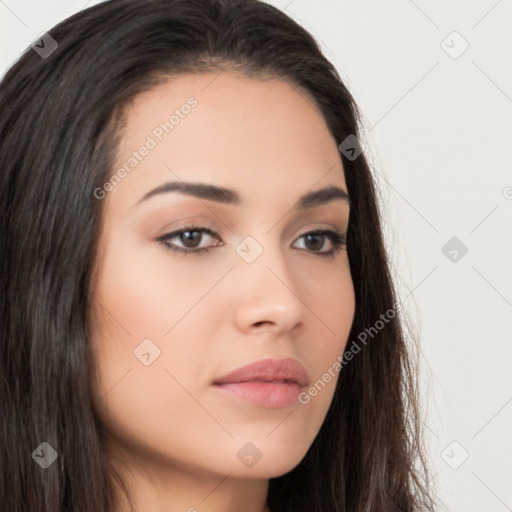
(171, 435)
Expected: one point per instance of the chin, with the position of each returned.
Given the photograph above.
(268, 458)
(273, 468)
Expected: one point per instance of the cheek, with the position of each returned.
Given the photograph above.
(331, 300)
(147, 309)
(137, 402)
(148, 290)
(334, 308)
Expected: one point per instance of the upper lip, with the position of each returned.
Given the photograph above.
(268, 370)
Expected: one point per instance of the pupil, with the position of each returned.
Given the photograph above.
(186, 238)
(318, 239)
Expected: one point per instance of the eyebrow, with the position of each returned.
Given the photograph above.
(229, 196)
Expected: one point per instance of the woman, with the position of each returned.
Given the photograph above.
(198, 312)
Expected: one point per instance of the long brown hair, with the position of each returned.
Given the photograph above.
(60, 117)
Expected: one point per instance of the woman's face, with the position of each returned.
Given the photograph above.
(169, 325)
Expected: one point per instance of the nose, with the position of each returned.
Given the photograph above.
(268, 297)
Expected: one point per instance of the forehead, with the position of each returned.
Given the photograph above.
(255, 136)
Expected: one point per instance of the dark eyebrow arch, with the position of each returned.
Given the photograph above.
(229, 196)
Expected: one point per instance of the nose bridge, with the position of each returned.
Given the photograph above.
(268, 289)
(261, 257)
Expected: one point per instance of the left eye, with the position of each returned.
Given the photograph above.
(190, 237)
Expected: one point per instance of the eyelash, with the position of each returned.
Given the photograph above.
(338, 240)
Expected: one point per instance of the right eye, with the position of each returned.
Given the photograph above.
(190, 237)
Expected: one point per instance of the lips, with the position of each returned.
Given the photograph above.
(283, 371)
(268, 383)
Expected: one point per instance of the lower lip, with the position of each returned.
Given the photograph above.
(263, 394)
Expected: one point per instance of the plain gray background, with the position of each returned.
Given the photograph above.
(433, 80)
